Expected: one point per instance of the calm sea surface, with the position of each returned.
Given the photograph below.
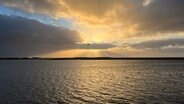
(92, 82)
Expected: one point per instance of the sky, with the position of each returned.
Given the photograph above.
(91, 28)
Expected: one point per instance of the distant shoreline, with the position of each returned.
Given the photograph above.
(95, 58)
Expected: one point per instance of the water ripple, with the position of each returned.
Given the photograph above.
(92, 82)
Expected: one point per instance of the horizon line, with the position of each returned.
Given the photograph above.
(91, 58)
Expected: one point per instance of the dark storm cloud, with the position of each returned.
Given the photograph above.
(25, 37)
(159, 44)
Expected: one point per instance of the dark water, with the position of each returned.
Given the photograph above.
(100, 82)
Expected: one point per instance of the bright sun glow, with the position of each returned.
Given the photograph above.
(76, 53)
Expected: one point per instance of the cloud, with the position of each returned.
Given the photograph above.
(159, 44)
(151, 48)
(26, 37)
(92, 12)
(162, 16)
(126, 18)
(134, 17)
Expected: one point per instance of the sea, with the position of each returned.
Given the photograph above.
(92, 82)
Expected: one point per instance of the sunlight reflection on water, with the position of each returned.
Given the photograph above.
(124, 82)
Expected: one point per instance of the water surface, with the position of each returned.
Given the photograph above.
(92, 82)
